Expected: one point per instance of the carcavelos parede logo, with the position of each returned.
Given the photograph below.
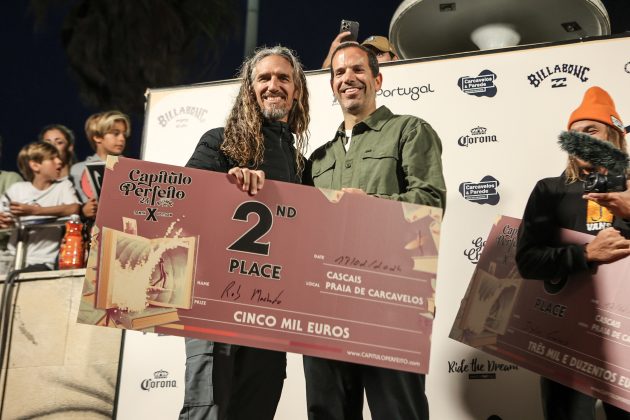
(482, 192)
(482, 85)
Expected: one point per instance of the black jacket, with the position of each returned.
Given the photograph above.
(554, 204)
(278, 159)
(278, 164)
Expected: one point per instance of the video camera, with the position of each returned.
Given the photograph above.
(600, 154)
(596, 182)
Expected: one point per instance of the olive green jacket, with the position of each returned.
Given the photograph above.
(390, 156)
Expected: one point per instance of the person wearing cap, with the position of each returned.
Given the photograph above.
(379, 45)
(617, 202)
(557, 203)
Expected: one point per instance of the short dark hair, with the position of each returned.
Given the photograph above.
(372, 60)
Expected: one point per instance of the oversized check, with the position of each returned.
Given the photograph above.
(575, 330)
(341, 276)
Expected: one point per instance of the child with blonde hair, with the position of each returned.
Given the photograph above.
(42, 195)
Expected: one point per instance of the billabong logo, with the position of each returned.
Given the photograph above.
(482, 192)
(558, 70)
(474, 253)
(559, 82)
(160, 380)
(182, 116)
(478, 135)
(482, 85)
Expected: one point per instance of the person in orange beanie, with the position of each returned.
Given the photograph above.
(557, 203)
(618, 203)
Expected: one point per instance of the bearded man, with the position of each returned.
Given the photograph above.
(224, 381)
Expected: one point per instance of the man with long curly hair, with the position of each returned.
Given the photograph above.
(264, 137)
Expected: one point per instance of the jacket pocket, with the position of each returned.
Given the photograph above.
(380, 169)
(322, 173)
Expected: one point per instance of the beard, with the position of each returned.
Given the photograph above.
(275, 113)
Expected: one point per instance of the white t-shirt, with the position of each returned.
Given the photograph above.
(349, 137)
(43, 243)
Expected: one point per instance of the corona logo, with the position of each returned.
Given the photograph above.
(160, 381)
(478, 135)
(478, 131)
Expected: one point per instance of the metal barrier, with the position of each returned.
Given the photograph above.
(24, 226)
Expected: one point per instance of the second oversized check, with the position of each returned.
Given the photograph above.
(573, 330)
(294, 268)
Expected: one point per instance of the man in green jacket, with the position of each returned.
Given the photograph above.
(391, 156)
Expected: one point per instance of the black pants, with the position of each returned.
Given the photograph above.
(334, 391)
(227, 382)
(563, 403)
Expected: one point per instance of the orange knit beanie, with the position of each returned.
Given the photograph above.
(597, 105)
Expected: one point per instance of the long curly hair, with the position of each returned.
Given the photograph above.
(243, 140)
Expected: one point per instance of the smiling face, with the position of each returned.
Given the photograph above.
(57, 139)
(113, 141)
(353, 83)
(274, 87)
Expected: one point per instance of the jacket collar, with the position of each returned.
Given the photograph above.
(279, 128)
(375, 121)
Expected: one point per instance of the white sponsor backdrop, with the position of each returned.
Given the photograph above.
(536, 89)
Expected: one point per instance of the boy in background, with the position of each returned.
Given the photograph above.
(107, 133)
(42, 195)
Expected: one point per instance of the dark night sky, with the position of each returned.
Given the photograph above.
(38, 89)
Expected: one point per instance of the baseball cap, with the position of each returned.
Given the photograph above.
(380, 43)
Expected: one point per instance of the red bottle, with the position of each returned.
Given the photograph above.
(72, 251)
